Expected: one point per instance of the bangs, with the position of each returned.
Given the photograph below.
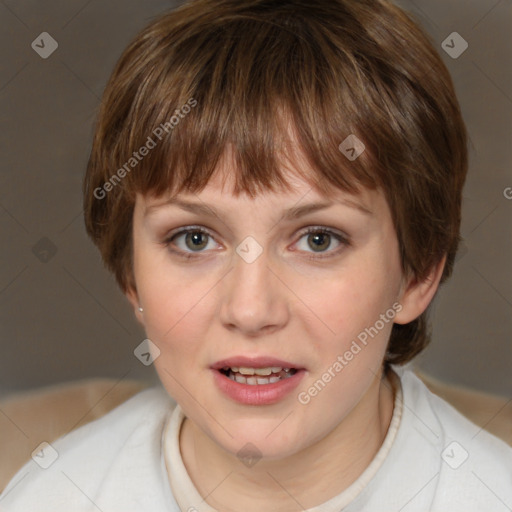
(263, 92)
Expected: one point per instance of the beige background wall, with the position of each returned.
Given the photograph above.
(61, 315)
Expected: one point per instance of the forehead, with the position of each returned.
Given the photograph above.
(300, 196)
(298, 189)
(301, 185)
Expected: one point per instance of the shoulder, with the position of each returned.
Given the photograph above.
(470, 465)
(448, 420)
(80, 466)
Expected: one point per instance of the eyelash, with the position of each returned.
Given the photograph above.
(344, 241)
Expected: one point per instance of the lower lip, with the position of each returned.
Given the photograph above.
(260, 394)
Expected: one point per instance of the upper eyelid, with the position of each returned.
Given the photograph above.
(212, 232)
(301, 232)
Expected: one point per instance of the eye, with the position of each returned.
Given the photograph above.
(189, 241)
(320, 240)
(193, 240)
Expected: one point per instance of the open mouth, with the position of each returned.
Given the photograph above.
(257, 376)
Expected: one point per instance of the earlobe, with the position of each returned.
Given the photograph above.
(132, 296)
(417, 295)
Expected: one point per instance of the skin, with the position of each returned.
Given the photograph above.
(285, 305)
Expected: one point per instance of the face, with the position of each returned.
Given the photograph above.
(255, 287)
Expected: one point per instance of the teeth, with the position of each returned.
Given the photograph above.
(257, 376)
(262, 371)
(257, 371)
(256, 380)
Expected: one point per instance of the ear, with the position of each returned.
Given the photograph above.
(132, 296)
(415, 296)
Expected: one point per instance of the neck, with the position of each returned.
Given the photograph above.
(304, 480)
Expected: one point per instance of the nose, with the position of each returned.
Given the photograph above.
(254, 298)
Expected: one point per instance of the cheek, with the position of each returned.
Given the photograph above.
(171, 293)
(175, 319)
(349, 302)
(176, 312)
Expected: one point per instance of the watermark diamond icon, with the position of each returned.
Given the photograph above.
(45, 455)
(454, 45)
(352, 147)
(44, 250)
(147, 352)
(249, 249)
(249, 455)
(44, 44)
(454, 455)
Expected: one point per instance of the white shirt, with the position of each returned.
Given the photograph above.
(432, 460)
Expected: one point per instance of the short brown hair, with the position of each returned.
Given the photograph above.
(214, 74)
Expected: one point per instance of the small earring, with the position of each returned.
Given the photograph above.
(140, 309)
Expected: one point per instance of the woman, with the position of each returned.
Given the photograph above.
(277, 188)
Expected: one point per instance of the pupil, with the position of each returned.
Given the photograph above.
(320, 237)
(196, 237)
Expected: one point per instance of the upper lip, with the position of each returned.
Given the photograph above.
(253, 362)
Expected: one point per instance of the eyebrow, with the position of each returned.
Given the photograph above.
(290, 214)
